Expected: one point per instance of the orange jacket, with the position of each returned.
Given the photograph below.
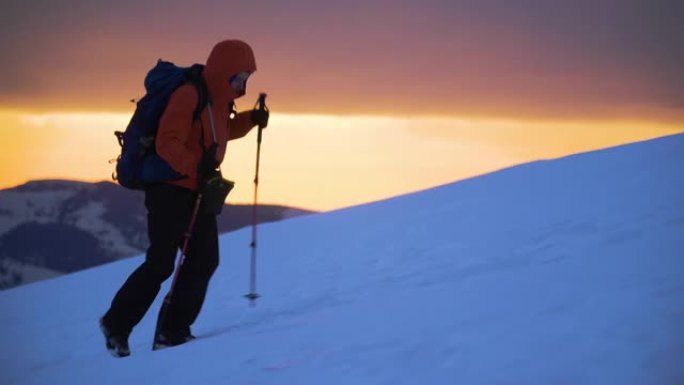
(178, 137)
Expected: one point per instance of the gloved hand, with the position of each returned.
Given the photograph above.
(260, 117)
(208, 162)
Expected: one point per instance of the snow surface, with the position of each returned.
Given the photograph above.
(568, 271)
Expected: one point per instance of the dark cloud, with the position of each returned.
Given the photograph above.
(581, 58)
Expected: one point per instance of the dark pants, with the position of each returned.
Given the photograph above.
(169, 210)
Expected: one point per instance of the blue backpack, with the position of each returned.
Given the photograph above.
(138, 163)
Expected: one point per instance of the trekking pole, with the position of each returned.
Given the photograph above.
(252, 295)
(181, 259)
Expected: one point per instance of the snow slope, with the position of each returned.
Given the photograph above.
(569, 271)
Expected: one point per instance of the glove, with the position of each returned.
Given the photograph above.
(208, 162)
(260, 117)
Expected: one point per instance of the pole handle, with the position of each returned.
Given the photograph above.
(261, 106)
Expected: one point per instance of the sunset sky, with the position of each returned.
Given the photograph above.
(369, 99)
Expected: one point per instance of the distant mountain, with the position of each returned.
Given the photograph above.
(52, 227)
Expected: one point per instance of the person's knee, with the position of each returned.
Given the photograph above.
(159, 271)
(207, 267)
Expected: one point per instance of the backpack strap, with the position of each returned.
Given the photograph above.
(194, 77)
(211, 121)
(214, 145)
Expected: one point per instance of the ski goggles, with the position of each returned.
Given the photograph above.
(238, 82)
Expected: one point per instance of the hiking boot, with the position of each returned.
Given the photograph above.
(166, 339)
(117, 344)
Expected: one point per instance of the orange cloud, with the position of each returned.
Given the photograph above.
(317, 161)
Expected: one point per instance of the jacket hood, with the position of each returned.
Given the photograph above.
(225, 60)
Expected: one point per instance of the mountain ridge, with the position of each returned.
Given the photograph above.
(76, 225)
